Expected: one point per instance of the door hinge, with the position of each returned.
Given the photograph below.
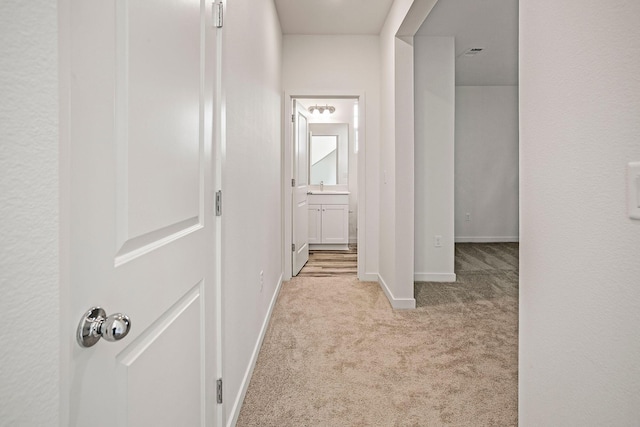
(293, 247)
(293, 118)
(219, 390)
(218, 9)
(219, 203)
(293, 182)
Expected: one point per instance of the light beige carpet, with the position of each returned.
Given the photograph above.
(336, 354)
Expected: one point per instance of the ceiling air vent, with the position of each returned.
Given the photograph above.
(473, 51)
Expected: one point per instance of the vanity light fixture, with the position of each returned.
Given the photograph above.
(322, 109)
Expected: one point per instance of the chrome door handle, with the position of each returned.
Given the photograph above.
(95, 325)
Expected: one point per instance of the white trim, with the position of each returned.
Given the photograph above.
(396, 303)
(434, 277)
(218, 174)
(368, 277)
(328, 247)
(64, 315)
(287, 175)
(361, 226)
(486, 239)
(237, 404)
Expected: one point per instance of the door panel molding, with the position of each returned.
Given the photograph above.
(165, 347)
(138, 246)
(159, 167)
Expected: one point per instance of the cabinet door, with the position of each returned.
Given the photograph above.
(335, 224)
(315, 224)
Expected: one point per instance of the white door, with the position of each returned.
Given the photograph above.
(141, 221)
(300, 215)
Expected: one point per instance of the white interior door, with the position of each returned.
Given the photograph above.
(300, 215)
(142, 235)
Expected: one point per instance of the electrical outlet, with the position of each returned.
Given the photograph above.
(437, 242)
(261, 280)
(467, 216)
(633, 190)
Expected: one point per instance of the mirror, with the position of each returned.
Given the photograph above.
(324, 160)
(329, 154)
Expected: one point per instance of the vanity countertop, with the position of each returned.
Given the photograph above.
(328, 192)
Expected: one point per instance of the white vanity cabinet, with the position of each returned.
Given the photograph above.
(329, 221)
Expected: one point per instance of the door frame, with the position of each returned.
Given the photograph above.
(287, 172)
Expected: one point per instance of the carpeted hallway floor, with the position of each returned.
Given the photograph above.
(336, 354)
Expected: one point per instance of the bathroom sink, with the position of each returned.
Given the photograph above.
(328, 192)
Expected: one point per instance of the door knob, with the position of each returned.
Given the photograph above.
(95, 324)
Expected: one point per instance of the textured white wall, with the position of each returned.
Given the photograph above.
(396, 167)
(29, 256)
(252, 219)
(404, 175)
(486, 165)
(387, 169)
(434, 157)
(579, 251)
(323, 64)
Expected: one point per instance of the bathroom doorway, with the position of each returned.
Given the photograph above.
(334, 161)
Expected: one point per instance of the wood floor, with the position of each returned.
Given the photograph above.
(331, 263)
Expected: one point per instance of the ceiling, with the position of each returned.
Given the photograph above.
(332, 16)
(489, 24)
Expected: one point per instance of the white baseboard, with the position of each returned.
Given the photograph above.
(434, 277)
(397, 303)
(486, 239)
(329, 247)
(237, 404)
(368, 277)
